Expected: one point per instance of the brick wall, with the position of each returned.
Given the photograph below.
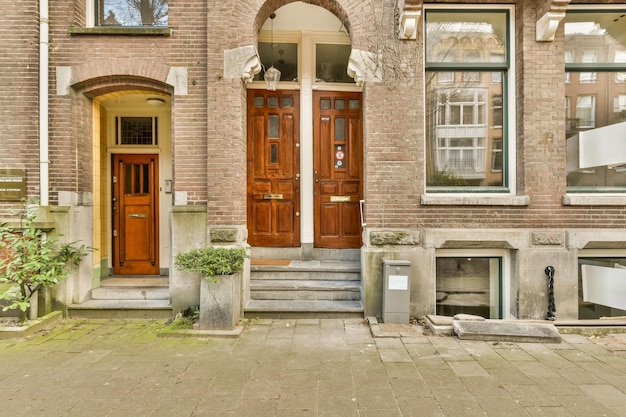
(19, 77)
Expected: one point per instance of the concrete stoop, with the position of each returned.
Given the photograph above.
(128, 298)
(467, 327)
(326, 287)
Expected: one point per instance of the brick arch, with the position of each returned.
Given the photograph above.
(121, 84)
(252, 14)
(123, 73)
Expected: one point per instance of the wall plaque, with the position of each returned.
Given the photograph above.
(339, 198)
(12, 184)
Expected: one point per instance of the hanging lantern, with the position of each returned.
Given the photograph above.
(272, 75)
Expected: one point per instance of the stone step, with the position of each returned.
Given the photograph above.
(293, 309)
(306, 270)
(130, 293)
(505, 330)
(297, 253)
(273, 289)
(128, 309)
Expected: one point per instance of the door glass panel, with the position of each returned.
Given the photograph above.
(259, 102)
(272, 102)
(340, 104)
(355, 104)
(273, 153)
(325, 104)
(288, 101)
(273, 126)
(136, 179)
(340, 129)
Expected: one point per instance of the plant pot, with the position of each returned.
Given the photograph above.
(220, 302)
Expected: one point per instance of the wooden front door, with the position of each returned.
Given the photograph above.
(135, 215)
(273, 168)
(338, 169)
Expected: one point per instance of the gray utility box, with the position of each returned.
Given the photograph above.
(396, 291)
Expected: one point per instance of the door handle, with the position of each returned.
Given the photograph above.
(297, 176)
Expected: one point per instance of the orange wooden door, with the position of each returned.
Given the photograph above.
(135, 215)
(338, 169)
(273, 168)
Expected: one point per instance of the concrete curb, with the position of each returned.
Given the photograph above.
(31, 327)
(180, 333)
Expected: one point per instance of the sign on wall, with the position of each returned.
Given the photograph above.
(12, 184)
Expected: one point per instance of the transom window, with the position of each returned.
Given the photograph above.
(136, 130)
(132, 13)
(595, 64)
(467, 77)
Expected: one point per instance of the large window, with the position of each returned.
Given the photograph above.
(467, 76)
(131, 13)
(601, 285)
(469, 285)
(595, 63)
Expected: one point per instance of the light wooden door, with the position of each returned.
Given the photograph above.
(135, 215)
(338, 169)
(273, 168)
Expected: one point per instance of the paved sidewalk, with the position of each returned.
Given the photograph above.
(293, 368)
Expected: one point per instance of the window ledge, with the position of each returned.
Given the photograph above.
(474, 200)
(133, 31)
(594, 200)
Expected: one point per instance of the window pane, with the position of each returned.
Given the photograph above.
(331, 63)
(132, 12)
(593, 157)
(594, 37)
(284, 57)
(136, 131)
(468, 286)
(600, 282)
(459, 135)
(466, 36)
(273, 126)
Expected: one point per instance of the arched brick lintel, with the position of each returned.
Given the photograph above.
(99, 68)
(252, 14)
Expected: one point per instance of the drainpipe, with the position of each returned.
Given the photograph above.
(44, 47)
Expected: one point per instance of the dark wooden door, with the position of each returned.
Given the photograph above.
(135, 215)
(273, 168)
(338, 169)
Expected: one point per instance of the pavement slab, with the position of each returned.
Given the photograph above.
(312, 367)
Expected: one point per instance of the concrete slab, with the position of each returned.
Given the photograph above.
(440, 325)
(508, 331)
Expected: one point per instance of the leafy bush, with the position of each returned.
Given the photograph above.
(212, 261)
(30, 260)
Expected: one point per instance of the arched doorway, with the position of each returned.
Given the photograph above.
(305, 158)
(132, 176)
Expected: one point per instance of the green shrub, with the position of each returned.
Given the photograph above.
(212, 261)
(30, 260)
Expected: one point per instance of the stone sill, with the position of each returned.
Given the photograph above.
(132, 31)
(594, 200)
(474, 200)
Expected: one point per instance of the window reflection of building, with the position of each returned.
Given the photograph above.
(594, 85)
(465, 109)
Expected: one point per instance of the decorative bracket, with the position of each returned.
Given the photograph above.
(549, 22)
(364, 66)
(409, 12)
(242, 62)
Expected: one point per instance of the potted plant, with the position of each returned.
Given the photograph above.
(30, 260)
(220, 288)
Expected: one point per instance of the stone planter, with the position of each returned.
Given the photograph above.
(220, 302)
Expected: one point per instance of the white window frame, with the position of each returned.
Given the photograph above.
(590, 123)
(509, 91)
(504, 279)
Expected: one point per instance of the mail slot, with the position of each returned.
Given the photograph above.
(272, 196)
(339, 198)
(138, 216)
